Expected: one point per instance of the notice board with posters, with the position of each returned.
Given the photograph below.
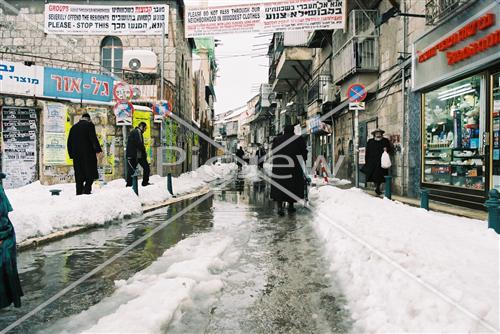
(55, 134)
(144, 116)
(19, 153)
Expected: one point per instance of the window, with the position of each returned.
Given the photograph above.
(112, 54)
(454, 135)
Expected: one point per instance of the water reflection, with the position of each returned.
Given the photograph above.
(47, 270)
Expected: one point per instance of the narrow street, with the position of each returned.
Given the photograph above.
(278, 284)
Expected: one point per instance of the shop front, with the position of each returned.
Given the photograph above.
(456, 69)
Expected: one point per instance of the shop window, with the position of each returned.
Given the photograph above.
(454, 135)
(496, 131)
(112, 54)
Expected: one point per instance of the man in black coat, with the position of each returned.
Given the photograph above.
(261, 153)
(84, 149)
(373, 167)
(136, 154)
(240, 154)
(288, 175)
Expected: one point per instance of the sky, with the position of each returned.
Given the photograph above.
(240, 70)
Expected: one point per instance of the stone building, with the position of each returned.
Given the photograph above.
(135, 59)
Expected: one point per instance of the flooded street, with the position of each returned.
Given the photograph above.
(279, 284)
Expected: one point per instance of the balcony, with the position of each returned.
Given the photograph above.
(439, 10)
(292, 65)
(357, 55)
(317, 89)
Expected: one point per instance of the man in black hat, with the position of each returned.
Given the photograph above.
(287, 169)
(136, 154)
(373, 167)
(84, 149)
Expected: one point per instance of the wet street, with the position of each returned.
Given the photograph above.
(280, 282)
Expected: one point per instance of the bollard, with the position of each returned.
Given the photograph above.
(388, 187)
(424, 199)
(169, 184)
(55, 192)
(493, 210)
(135, 184)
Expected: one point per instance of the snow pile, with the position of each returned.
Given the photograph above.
(250, 173)
(318, 181)
(192, 270)
(37, 213)
(404, 269)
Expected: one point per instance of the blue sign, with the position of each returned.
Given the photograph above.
(68, 84)
(356, 93)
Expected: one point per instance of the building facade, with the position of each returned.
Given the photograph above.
(153, 67)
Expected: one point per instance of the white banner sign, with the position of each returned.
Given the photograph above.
(105, 20)
(284, 15)
(19, 79)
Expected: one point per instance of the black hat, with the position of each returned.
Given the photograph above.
(378, 130)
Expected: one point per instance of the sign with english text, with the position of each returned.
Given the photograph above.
(73, 19)
(77, 86)
(277, 16)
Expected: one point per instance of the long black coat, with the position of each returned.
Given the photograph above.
(296, 183)
(135, 145)
(83, 146)
(372, 168)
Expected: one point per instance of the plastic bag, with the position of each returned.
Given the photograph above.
(385, 161)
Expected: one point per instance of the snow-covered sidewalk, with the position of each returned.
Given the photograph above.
(404, 269)
(37, 213)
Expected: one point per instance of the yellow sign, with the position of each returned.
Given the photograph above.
(144, 116)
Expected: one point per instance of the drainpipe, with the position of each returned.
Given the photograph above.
(403, 103)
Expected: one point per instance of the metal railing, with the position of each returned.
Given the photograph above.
(357, 55)
(439, 10)
(316, 89)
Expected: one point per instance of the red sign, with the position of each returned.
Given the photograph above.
(356, 93)
(469, 30)
(123, 92)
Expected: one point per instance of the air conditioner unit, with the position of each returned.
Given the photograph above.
(330, 93)
(143, 61)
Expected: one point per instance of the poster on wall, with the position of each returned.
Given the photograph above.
(109, 156)
(75, 19)
(99, 116)
(144, 116)
(277, 16)
(55, 134)
(123, 113)
(19, 134)
(20, 79)
(170, 155)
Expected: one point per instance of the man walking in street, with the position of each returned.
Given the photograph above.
(136, 154)
(239, 154)
(84, 149)
(261, 153)
(373, 157)
(287, 170)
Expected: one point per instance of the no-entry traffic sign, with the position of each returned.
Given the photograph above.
(356, 93)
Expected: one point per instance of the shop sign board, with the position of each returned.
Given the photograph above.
(77, 19)
(19, 134)
(277, 16)
(466, 43)
(20, 79)
(77, 86)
